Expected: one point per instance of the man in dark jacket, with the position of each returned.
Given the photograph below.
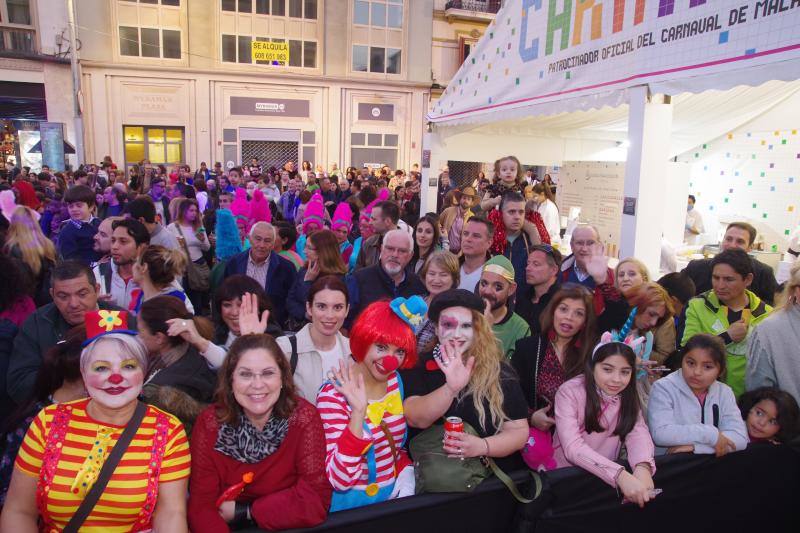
(271, 271)
(387, 279)
(738, 236)
(74, 291)
(541, 277)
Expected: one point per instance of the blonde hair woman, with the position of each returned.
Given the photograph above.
(630, 273)
(26, 242)
(465, 376)
(440, 272)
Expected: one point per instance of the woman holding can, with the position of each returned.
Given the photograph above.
(465, 377)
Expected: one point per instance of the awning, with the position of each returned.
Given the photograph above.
(22, 101)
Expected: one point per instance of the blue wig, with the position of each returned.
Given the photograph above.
(228, 241)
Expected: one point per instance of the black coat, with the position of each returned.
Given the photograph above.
(764, 284)
(371, 284)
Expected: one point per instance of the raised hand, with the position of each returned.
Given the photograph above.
(350, 384)
(183, 328)
(597, 265)
(456, 372)
(312, 271)
(249, 321)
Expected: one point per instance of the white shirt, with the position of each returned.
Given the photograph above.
(470, 281)
(552, 222)
(330, 358)
(195, 245)
(693, 220)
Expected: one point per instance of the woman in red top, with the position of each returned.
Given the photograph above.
(258, 454)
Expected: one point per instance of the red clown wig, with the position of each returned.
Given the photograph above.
(378, 324)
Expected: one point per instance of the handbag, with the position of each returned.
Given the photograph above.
(436, 472)
(107, 470)
(198, 275)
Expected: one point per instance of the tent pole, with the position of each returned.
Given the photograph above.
(649, 132)
(433, 161)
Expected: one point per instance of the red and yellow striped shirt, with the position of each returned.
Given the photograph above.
(121, 507)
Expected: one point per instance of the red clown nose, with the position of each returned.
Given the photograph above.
(390, 363)
(115, 379)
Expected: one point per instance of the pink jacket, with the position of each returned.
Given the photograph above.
(596, 452)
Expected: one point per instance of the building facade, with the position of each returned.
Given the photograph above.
(457, 26)
(174, 81)
(36, 88)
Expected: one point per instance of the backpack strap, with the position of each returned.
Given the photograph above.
(105, 272)
(293, 359)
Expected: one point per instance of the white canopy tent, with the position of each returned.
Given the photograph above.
(517, 94)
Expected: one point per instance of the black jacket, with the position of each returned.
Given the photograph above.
(372, 284)
(530, 311)
(764, 284)
(527, 361)
(40, 331)
(280, 278)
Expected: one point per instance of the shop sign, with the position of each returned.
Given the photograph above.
(382, 112)
(248, 106)
(264, 51)
(52, 136)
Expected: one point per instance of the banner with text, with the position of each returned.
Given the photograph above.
(539, 51)
(596, 188)
(277, 53)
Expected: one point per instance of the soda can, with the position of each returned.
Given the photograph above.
(454, 424)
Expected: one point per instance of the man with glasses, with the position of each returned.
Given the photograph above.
(541, 275)
(588, 266)
(387, 279)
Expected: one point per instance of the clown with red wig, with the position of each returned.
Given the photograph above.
(361, 406)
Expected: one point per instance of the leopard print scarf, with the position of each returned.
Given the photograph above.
(247, 444)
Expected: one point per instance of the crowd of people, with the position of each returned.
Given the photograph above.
(280, 344)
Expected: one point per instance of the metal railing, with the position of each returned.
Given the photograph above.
(483, 6)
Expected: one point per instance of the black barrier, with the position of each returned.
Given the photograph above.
(752, 491)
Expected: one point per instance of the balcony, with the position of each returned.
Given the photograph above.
(472, 10)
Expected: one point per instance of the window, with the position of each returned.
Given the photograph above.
(163, 2)
(392, 61)
(245, 56)
(306, 9)
(149, 42)
(158, 144)
(128, 41)
(229, 48)
(172, 43)
(309, 54)
(378, 13)
(150, 45)
(378, 59)
(14, 36)
(360, 58)
(301, 53)
(361, 12)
